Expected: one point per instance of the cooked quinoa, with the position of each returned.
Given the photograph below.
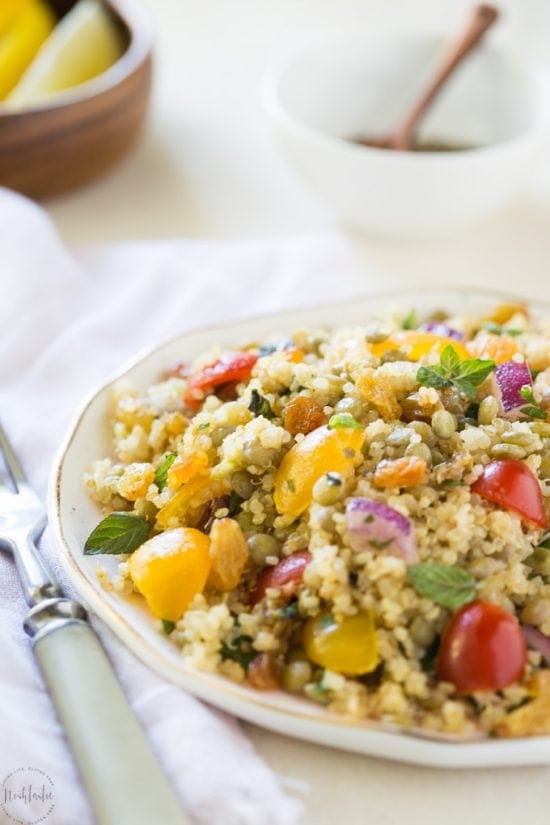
(333, 512)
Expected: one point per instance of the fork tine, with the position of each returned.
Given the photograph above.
(12, 462)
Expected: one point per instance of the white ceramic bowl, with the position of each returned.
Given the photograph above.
(321, 98)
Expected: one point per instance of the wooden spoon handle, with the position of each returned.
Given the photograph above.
(482, 18)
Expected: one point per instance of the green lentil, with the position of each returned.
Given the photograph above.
(400, 436)
(424, 431)
(488, 410)
(443, 423)
(328, 489)
(242, 484)
(544, 470)
(392, 355)
(220, 434)
(539, 561)
(541, 428)
(421, 631)
(536, 610)
(420, 450)
(261, 546)
(512, 451)
(296, 675)
(527, 440)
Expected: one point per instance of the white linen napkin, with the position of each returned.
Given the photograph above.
(67, 321)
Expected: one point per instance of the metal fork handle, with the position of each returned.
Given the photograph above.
(125, 783)
(36, 580)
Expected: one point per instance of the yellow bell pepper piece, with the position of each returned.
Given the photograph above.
(497, 348)
(24, 34)
(322, 451)
(349, 646)
(415, 344)
(170, 569)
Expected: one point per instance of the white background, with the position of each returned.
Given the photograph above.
(207, 168)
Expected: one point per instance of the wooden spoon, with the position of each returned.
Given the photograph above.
(402, 138)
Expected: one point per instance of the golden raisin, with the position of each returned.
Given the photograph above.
(402, 472)
(185, 467)
(378, 391)
(294, 355)
(303, 415)
(228, 554)
(503, 312)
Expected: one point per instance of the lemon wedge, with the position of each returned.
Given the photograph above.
(84, 44)
(24, 26)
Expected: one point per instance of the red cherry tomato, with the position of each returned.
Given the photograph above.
(512, 484)
(289, 569)
(230, 368)
(483, 648)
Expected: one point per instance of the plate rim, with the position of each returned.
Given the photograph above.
(369, 737)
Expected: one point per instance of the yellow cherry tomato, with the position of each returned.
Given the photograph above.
(323, 450)
(170, 569)
(24, 34)
(415, 344)
(349, 646)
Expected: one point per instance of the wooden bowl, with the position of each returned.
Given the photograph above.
(79, 134)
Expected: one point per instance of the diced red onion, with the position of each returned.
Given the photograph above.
(537, 640)
(373, 525)
(439, 328)
(507, 380)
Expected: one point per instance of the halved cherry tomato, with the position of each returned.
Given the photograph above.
(231, 367)
(511, 484)
(482, 649)
(289, 569)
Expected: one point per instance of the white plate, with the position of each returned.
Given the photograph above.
(73, 515)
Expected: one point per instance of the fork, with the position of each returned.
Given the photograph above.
(125, 783)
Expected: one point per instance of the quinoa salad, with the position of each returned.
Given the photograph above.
(357, 515)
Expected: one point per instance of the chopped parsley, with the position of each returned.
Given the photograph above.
(533, 408)
(168, 626)
(161, 474)
(410, 321)
(498, 329)
(260, 406)
(344, 420)
(240, 651)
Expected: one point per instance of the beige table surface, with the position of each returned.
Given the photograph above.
(207, 168)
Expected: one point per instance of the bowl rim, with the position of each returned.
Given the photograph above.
(535, 72)
(430, 749)
(138, 24)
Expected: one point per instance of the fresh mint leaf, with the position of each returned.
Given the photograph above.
(161, 474)
(476, 370)
(344, 420)
(450, 360)
(260, 406)
(118, 533)
(451, 371)
(545, 542)
(447, 586)
(465, 387)
(432, 377)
